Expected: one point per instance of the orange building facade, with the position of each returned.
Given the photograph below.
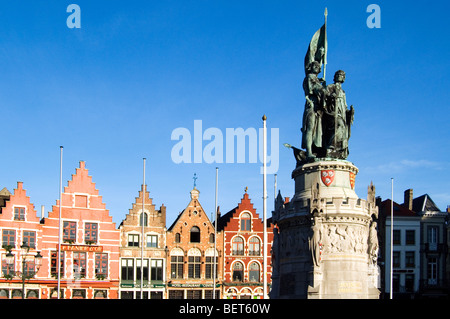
(89, 250)
(19, 224)
(190, 260)
(242, 230)
(89, 260)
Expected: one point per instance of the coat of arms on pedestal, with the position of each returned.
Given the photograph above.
(352, 180)
(327, 176)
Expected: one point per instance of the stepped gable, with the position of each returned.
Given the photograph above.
(81, 184)
(156, 217)
(132, 218)
(19, 198)
(81, 197)
(245, 204)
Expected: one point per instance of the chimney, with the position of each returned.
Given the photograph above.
(42, 211)
(162, 210)
(408, 199)
(218, 212)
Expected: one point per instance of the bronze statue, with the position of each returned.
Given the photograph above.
(337, 119)
(326, 126)
(312, 115)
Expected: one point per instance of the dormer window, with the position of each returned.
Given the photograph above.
(246, 222)
(19, 213)
(195, 234)
(143, 219)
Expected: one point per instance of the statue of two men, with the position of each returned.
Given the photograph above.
(326, 119)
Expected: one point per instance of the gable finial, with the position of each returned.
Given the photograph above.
(195, 179)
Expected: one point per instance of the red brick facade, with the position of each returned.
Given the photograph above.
(190, 244)
(242, 230)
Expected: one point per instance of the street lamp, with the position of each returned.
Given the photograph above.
(24, 274)
(9, 259)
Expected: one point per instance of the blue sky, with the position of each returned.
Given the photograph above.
(113, 91)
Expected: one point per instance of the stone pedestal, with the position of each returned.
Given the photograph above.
(325, 244)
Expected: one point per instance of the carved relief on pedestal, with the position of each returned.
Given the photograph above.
(292, 241)
(344, 238)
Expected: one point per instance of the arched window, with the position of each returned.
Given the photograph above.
(246, 222)
(238, 272)
(211, 238)
(238, 246)
(100, 294)
(195, 235)
(177, 238)
(246, 293)
(253, 272)
(33, 294)
(254, 246)
(4, 294)
(16, 294)
(232, 293)
(143, 216)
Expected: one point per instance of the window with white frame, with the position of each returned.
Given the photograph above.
(133, 240)
(238, 272)
(9, 238)
(152, 241)
(176, 263)
(127, 269)
(254, 246)
(194, 263)
(253, 272)
(246, 222)
(140, 269)
(432, 271)
(156, 269)
(19, 213)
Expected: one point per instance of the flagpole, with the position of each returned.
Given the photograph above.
(58, 267)
(215, 236)
(325, 45)
(392, 239)
(264, 210)
(142, 230)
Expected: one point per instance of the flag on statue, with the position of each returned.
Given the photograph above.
(317, 48)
